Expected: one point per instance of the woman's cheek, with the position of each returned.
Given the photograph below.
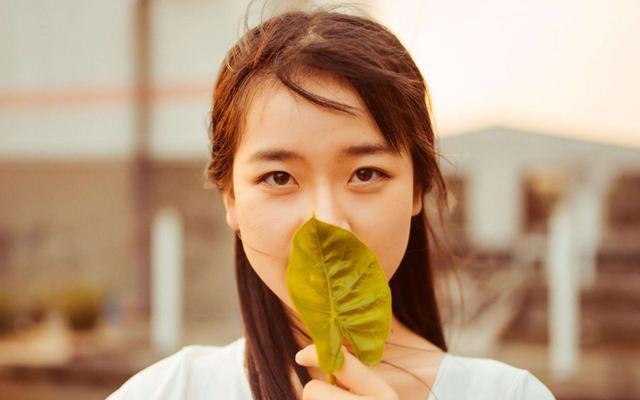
(261, 222)
(267, 227)
(391, 236)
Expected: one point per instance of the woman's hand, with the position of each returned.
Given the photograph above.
(359, 380)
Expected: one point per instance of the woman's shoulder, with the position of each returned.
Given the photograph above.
(464, 377)
(194, 372)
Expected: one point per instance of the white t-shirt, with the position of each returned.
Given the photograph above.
(217, 372)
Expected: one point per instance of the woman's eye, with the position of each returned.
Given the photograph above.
(280, 178)
(365, 174)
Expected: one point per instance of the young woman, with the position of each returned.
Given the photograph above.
(324, 112)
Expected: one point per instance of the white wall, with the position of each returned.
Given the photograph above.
(63, 64)
(67, 75)
(494, 162)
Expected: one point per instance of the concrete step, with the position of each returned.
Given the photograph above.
(610, 309)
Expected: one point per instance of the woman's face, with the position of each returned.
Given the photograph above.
(296, 158)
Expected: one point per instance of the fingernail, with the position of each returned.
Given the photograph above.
(298, 356)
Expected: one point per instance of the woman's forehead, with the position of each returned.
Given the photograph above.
(321, 84)
(278, 115)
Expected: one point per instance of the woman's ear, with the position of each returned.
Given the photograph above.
(229, 201)
(417, 200)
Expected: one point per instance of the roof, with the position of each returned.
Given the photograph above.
(517, 146)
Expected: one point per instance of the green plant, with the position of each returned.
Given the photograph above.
(39, 304)
(339, 290)
(82, 306)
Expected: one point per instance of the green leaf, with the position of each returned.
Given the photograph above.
(339, 290)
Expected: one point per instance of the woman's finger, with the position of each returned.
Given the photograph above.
(353, 374)
(319, 390)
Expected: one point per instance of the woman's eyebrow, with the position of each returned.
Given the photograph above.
(276, 154)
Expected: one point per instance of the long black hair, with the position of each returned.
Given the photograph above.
(368, 57)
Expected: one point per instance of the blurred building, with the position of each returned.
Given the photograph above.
(103, 122)
(563, 217)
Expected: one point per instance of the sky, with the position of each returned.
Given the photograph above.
(566, 67)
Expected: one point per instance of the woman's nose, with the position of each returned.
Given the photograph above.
(334, 221)
(327, 210)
